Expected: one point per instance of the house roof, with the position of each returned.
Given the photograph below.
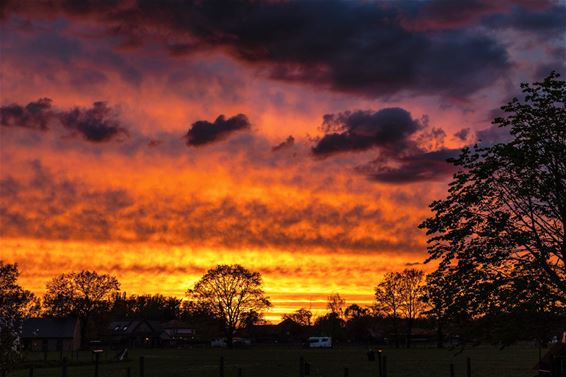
(133, 326)
(49, 328)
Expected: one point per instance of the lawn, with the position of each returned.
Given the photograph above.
(282, 362)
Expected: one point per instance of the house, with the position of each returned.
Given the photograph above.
(175, 333)
(553, 364)
(51, 334)
(286, 331)
(135, 333)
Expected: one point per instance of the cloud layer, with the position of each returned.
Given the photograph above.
(96, 124)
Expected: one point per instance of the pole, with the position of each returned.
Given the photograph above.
(301, 367)
(451, 370)
(221, 366)
(384, 366)
(96, 361)
(468, 367)
(64, 367)
(142, 371)
(380, 363)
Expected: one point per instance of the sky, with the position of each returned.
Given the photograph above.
(153, 140)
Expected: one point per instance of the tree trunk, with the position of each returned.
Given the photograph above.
(409, 332)
(396, 331)
(439, 335)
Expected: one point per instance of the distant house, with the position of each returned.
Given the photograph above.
(135, 333)
(286, 331)
(51, 334)
(175, 333)
(554, 361)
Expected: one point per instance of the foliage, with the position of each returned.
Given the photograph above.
(229, 292)
(83, 295)
(13, 302)
(500, 232)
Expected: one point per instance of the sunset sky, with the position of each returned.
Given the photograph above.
(302, 139)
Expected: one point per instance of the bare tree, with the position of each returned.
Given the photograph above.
(229, 292)
(80, 294)
(388, 295)
(301, 316)
(412, 304)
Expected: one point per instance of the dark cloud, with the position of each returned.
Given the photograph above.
(288, 143)
(463, 134)
(493, 135)
(419, 167)
(547, 22)
(363, 48)
(408, 150)
(355, 131)
(35, 115)
(203, 132)
(96, 124)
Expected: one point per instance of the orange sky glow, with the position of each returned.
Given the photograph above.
(320, 187)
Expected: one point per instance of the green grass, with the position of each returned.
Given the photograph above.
(283, 362)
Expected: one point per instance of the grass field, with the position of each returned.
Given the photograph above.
(282, 362)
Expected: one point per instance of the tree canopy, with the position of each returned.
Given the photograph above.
(80, 294)
(500, 231)
(231, 293)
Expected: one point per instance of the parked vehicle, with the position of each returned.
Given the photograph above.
(320, 342)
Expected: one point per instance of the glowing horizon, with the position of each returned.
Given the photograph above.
(154, 141)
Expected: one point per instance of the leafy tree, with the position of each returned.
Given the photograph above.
(84, 295)
(500, 231)
(301, 316)
(13, 302)
(229, 292)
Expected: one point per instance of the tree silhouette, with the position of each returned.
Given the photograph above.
(399, 295)
(300, 316)
(389, 299)
(230, 292)
(13, 302)
(500, 232)
(80, 294)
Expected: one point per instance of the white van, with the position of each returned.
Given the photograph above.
(320, 342)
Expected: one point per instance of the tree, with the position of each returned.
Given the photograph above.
(389, 299)
(229, 292)
(500, 231)
(399, 295)
(13, 302)
(412, 305)
(301, 317)
(84, 295)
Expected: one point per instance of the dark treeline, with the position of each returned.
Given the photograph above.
(406, 311)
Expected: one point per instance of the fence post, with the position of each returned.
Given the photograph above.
(64, 367)
(239, 372)
(128, 372)
(384, 366)
(380, 363)
(346, 372)
(468, 367)
(30, 372)
(221, 366)
(142, 371)
(451, 370)
(301, 367)
(96, 361)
